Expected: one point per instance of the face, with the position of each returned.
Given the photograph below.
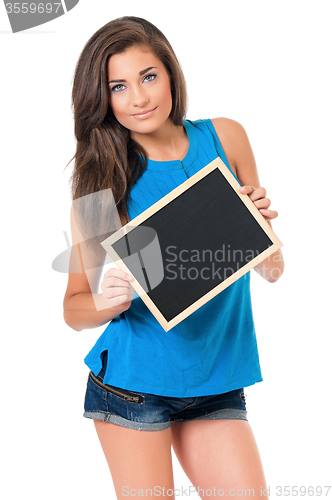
(140, 91)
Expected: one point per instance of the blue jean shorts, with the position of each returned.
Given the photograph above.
(149, 412)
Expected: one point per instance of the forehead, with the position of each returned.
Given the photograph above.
(131, 61)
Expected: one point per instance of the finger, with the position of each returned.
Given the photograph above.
(254, 193)
(113, 272)
(262, 203)
(116, 292)
(117, 301)
(269, 214)
(247, 189)
(116, 282)
(258, 194)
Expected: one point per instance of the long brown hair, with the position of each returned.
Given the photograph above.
(106, 156)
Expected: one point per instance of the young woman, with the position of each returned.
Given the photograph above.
(185, 385)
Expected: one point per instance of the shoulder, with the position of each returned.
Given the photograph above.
(223, 123)
(237, 148)
(234, 140)
(230, 132)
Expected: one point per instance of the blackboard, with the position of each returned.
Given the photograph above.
(192, 244)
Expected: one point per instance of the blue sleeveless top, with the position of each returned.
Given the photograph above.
(212, 351)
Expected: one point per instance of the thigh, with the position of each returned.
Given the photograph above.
(138, 460)
(220, 454)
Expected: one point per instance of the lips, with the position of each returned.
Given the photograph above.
(144, 113)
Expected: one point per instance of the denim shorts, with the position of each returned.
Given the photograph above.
(149, 412)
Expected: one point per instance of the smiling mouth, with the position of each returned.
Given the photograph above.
(144, 113)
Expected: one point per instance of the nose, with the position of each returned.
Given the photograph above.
(139, 97)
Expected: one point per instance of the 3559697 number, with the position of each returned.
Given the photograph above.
(302, 491)
(32, 8)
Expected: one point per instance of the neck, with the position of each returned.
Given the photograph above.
(168, 143)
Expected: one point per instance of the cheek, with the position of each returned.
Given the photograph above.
(167, 97)
(114, 105)
(117, 108)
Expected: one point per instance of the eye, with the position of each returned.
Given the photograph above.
(118, 88)
(149, 78)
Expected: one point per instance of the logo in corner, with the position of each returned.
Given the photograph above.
(25, 15)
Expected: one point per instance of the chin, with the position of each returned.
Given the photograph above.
(150, 126)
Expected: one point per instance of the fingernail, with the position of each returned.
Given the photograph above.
(129, 277)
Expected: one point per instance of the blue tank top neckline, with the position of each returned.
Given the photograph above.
(187, 161)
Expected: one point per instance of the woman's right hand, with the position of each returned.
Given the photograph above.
(117, 291)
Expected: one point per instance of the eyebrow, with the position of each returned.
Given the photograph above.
(141, 73)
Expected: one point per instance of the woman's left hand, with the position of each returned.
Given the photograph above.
(258, 197)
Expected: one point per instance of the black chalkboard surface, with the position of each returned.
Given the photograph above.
(192, 244)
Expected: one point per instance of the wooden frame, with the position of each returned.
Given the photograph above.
(254, 217)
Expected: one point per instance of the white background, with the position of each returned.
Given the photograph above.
(265, 64)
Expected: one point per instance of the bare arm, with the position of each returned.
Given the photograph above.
(237, 148)
(83, 306)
